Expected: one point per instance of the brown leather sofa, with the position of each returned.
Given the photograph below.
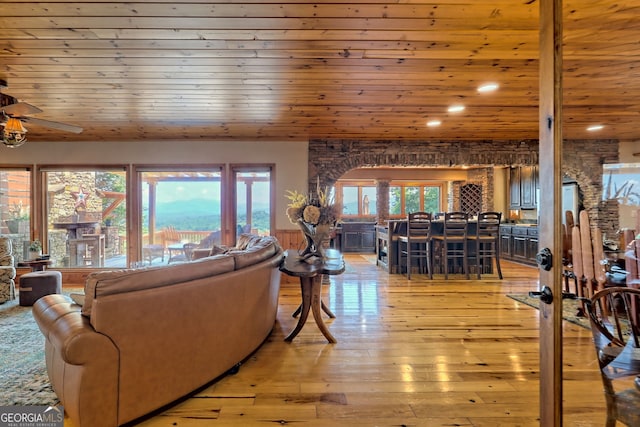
(144, 338)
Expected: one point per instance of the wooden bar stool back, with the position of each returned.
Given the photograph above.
(416, 243)
(454, 241)
(487, 241)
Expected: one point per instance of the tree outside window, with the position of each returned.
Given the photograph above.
(413, 198)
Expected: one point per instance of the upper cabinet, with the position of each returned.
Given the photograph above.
(523, 183)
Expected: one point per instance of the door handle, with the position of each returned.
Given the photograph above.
(546, 295)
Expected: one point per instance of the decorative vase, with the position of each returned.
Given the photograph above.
(12, 225)
(317, 239)
(33, 255)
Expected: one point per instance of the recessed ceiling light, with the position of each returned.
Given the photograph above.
(456, 108)
(594, 128)
(433, 123)
(488, 87)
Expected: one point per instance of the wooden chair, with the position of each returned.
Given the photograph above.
(632, 266)
(416, 243)
(453, 241)
(188, 250)
(586, 247)
(151, 252)
(487, 241)
(170, 235)
(632, 255)
(567, 252)
(600, 262)
(617, 344)
(576, 257)
(187, 253)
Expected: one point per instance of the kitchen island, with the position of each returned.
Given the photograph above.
(388, 253)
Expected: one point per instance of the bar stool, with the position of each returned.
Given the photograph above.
(454, 241)
(416, 244)
(487, 241)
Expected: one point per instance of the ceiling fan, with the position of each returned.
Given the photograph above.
(15, 113)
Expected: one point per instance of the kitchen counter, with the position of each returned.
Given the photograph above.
(519, 243)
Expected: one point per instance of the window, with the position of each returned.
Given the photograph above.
(253, 200)
(431, 197)
(85, 215)
(350, 200)
(358, 200)
(179, 206)
(395, 201)
(404, 199)
(15, 209)
(88, 221)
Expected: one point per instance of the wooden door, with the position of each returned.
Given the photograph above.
(550, 226)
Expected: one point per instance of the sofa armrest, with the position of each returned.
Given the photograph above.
(62, 324)
(82, 364)
(6, 260)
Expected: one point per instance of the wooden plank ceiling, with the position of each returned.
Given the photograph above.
(236, 70)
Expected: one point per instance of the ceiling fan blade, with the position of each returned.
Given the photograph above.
(52, 125)
(21, 109)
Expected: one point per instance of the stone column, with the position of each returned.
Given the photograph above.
(382, 201)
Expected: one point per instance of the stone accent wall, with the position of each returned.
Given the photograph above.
(582, 160)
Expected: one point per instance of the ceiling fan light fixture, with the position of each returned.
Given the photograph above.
(14, 134)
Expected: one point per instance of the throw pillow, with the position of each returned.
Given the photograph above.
(77, 298)
(216, 250)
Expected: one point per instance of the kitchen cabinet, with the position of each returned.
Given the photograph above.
(358, 237)
(514, 188)
(519, 243)
(532, 245)
(505, 242)
(523, 182)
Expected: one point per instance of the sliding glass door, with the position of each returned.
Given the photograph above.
(253, 200)
(179, 206)
(85, 216)
(15, 209)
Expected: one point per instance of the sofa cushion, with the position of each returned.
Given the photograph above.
(206, 252)
(256, 251)
(133, 279)
(245, 240)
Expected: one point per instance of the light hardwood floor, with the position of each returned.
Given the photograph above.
(409, 353)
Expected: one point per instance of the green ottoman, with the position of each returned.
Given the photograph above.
(37, 284)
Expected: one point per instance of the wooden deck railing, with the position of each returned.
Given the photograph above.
(176, 236)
